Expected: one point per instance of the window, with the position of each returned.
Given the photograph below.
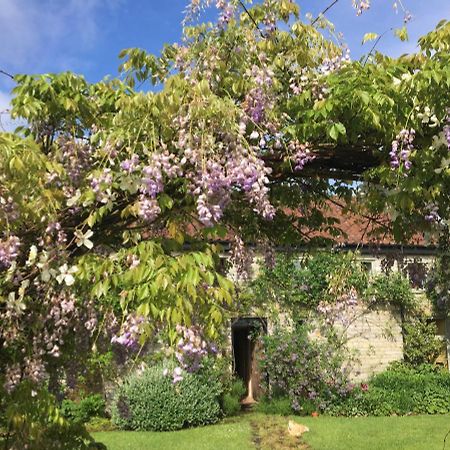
(367, 266)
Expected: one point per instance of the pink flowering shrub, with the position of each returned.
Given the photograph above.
(306, 370)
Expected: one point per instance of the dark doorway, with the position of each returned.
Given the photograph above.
(245, 354)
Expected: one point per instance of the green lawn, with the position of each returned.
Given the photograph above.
(327, 433)
(377, 433)
(224, 436)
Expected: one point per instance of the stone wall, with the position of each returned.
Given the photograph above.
(375, 338)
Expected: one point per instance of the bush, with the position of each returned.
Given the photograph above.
(151, 401)
(308, 371)
(281, 406)
(231, 400)
(400, 390)
(392, 289)
(421, 346)
(34, 422)
(97, 424)
(83, 410)
(297, 286)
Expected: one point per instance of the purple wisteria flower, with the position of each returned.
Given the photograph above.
(402, 146)
(301, 154)
(130, 165)
(9, 250)
(130, 332)
(432, 214)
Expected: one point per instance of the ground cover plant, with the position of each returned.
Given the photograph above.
(113, 200)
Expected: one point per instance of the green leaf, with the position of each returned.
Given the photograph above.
(337, 129)
(165, 201)
(402, 33)
(369, 37)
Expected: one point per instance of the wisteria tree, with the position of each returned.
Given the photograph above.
(113, 199)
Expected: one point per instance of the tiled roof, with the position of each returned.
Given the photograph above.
(363, 230)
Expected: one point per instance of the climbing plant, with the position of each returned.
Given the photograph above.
(113, 199)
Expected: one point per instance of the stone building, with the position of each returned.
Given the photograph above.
(376, 336)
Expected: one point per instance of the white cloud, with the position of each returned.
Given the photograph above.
(35, 32)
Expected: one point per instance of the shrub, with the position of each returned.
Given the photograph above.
(275, 405)
(297, 286)
(34, 422)
(152, 401)
(392, 289)
(400, 390)
(306, 370)
(97, 424)
(83, 410)
(421, 344)
(231, 404)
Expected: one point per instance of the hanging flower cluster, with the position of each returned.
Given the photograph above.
(8, 208)
(192, 349)
(59, 320)
(341, 311)
(102, 185)
(447, 130)
(240, 258)
(432, 214)
(301, 154)
(9, 250)
(76, 158)
(258, 99)
(402, 147)
(130, 332)
(330, 65)
(361, 6)
(226, 12)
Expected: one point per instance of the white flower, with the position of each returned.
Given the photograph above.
(32, 256)
(107, 196)
(439, 140)
(15, 305)
(66, 274)
(74, 200)
(83, 239)
(254, 135)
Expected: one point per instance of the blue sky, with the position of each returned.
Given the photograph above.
(85, 36)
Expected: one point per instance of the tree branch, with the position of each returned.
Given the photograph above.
(324, 11)
(6, 74)
(252, 18)
(375, 44)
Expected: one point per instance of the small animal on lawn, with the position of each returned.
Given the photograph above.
(296, 429)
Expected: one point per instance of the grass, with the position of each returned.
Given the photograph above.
(377, 433)
(268, 432)
(228, 435)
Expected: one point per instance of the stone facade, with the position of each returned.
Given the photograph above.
(375, 338)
